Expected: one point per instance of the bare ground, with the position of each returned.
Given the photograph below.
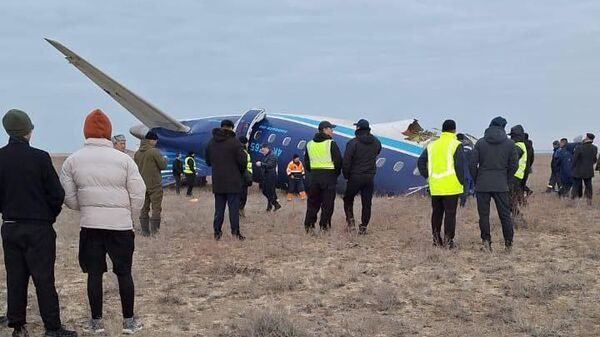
(392, 282)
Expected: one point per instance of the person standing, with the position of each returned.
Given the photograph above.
(104, 186)
(31, 198)
(359, 169)
(529, 168)
(295, 172)
(442, 164)
(228, 160)
(469, 185)
(493, 165)
(564, 164)
(189, 169)
(268, 167)
(151, 163)
(517, 192)
(584, 158)
(323, 160)
(119, 142)
(554, 181)
(247, 181)
(177, 170)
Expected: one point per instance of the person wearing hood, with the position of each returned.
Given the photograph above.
(189, 170)
(469, 185)
(494, 162)
(31, 198)
(564, 164)
(517, 193)
(442, 164)
(105, 186)
(151, 163)
(359, 169)
(224, 153)
(323, 161)
(268, 167)
(554, 181)
(584, 158)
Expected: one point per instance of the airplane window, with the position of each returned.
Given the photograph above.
(257, 135)
(380, 162)
(287, 141)
(301, 145)
(398, 166)
(271, 138)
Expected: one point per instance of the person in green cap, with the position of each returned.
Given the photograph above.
(31, 198)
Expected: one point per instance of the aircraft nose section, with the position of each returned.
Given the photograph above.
(139, 131)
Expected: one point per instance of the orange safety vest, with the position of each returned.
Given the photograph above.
(295, 168)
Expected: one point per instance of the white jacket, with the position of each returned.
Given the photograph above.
(104, 184)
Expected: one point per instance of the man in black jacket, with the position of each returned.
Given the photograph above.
(529, 167)
(359, 169)
(584, 158)
(493, 166)
(228, 160)
(268, 168)
(31, 198)
(177, 169)
(323, 161)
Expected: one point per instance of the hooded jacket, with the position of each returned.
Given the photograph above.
(494, 161)
(584, 158)
(224, 153)
(361, 154)
(336, 155)
(150, 163)
(30, 191)
(104, 184)
(517, 135)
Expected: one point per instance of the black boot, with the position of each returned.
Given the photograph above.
(145, 225)
(238, 235)
(20, 331)
(218, 236)
(437, 240)
(269, 207)
(362, 229)
(276, 206)
(351, 224)
(62, 332)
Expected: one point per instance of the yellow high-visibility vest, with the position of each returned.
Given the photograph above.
(442, 175)
(520, 174)
(187, 169)
(320, 155)
(249, 163)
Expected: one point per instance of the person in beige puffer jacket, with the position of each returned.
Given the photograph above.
(105, 185)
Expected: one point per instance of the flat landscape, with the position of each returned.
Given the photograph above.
(391, 282)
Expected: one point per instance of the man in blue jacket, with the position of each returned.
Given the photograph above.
(564, 164)
(268, 167)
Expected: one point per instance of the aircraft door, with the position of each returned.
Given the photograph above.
(244, 125)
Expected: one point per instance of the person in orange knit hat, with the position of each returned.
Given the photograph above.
(295, 173)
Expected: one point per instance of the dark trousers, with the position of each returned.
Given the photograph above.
(578, 192)
(502, 200)
(269, 189)
(321, 196)
(190, 180)
(231, 200)
(30, 251)
(565, 189)
(444, 210)
(365, 186)
(517, 197)
(243, 197)
(177, 183)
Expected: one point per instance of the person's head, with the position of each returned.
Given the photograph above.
(449, 126)
(461, 137)
(190, 154)
(177, 155)
(152, 138)
(17, 124)
(564, 142)
(265, 149)
(589, 137)
(227, 124)
(243, 140)
(517, 133)
(362, 124)
(119, 142)
(498, 122)
(326, 127)
(556, 144)
(296, 158)
(97, 125)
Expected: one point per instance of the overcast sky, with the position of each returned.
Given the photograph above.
(534, 62)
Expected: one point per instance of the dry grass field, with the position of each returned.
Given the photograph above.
(392, 282)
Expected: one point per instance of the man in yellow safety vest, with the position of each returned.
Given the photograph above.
(442, 163)
(323, 160)
(189, 169)
(517, 193)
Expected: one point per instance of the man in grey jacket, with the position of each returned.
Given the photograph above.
(493, 165)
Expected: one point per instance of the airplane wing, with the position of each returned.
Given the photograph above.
(148, 114)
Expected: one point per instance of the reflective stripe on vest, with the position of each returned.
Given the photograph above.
(320, 155)
(187, 168)
(442, 175)
(249, 163)
(522, 161)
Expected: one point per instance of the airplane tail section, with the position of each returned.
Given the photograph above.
(148, 114)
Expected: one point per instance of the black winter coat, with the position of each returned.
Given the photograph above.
(268, 167)
(360, 155)
(177, 167)
(493, 161)
(325, 176)
(224, 153)
(584, 158)
(30, 190)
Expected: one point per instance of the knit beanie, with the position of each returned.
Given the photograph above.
(17, 123)
(97, 125)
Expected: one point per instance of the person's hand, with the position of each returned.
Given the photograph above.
(258, 163)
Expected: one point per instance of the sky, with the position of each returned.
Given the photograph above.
(534, 62)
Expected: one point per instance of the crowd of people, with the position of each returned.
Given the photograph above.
(106, 186)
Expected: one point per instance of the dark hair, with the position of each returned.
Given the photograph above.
(449, 125)
(265, 146)
(296, 156)
(226, 123)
